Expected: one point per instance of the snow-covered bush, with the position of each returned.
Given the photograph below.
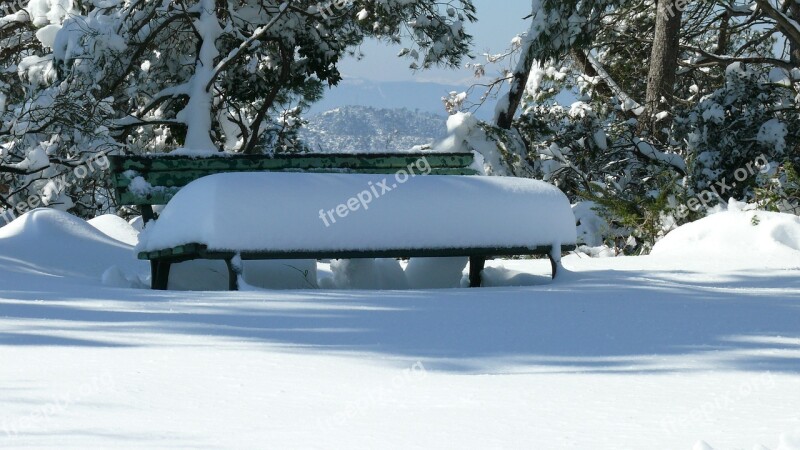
(781, 191)
(750, 119)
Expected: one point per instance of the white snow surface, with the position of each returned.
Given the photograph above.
(52, 242)
(695, 347)
(764, 238)
(289, 211)
(116, 227)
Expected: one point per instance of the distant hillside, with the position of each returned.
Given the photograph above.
(398, 94)
(367, 129)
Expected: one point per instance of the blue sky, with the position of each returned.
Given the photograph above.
(498, 22)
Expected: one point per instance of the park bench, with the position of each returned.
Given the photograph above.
(150, 180)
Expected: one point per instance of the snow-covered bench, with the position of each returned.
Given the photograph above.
(399, 213)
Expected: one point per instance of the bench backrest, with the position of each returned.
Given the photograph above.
(155, 179)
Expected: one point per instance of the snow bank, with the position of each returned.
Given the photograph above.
(753, 235)
(388, 274)
(367, 273)
(57, 243)
(499, 276)
(116, 277)
(292, 211)
(116, 227)
(137, 223)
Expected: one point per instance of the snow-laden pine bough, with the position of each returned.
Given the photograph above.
(340, 206)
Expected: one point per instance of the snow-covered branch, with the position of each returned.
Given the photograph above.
(628, 103)
(789, 26)
(257, 34)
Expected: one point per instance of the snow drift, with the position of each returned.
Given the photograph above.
(52, 241)
(757, 236)
(116, 227)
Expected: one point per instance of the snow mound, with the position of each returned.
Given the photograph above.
(373, 274)
(57, 243)
(116, 277)
(138, 224)
(759, 236)
(116, 227)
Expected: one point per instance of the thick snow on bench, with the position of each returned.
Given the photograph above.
(303, 211)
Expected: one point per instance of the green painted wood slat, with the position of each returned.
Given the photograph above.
(170, 163)
(182, 178)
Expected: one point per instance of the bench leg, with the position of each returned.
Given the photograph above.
(476, 265)
(153, 273)
(555, 260)
(147, 214)
(159, 274)
(233, 275)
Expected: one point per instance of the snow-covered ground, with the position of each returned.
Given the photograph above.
(694, 347)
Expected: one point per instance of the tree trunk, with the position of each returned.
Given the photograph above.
(197, 114)
(663, 58)
(794, 13)
(505, 113)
